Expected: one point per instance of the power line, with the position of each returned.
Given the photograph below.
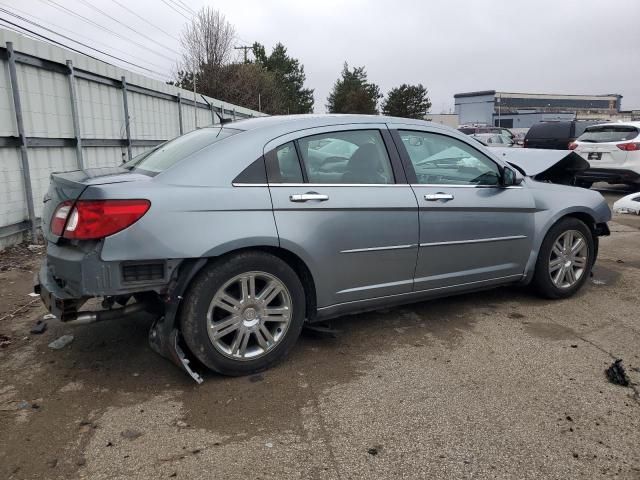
(144, 20)
(245, 48)
(186, 7)
(171, 6)
(51, 40)
(87, 20)
(78, 34)
(127, 26)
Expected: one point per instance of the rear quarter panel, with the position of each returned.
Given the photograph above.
(190, 221)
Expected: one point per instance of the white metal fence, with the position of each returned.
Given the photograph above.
(61, 111)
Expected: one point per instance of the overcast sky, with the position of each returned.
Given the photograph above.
(538, 46)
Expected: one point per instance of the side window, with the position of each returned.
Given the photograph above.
(353, 156)
(443, 160)
(287, 167)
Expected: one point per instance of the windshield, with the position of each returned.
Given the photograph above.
(169, 153)
(608, 133)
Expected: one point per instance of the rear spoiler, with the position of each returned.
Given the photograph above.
(557, 166)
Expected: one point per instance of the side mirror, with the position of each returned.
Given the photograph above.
(511, 177)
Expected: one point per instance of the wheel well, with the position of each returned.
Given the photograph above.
(587, 219)
(590, 222)
(295, 262)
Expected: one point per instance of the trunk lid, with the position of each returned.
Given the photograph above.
(70, 186)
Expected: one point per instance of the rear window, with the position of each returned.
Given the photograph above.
(168, 154)
(608, 133)
(550, 130)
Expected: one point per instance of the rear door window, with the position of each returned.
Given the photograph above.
(608, 133)
(351, 156)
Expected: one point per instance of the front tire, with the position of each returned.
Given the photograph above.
(244, 313)
(565, 259)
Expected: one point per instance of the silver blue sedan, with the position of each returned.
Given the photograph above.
(235, 237)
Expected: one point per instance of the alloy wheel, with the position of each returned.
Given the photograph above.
(249, 315)
(568, 259)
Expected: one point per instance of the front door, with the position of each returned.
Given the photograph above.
(472, 229)
(341, 203)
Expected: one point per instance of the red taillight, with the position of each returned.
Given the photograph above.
(93, 219)
(60, 218)
(629, 147)
(573, 145)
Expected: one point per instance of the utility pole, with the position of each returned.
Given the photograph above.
(245, 48)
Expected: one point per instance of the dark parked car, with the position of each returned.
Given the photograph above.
(556, 135)
(235, 237)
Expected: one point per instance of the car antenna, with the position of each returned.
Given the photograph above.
(222, 120)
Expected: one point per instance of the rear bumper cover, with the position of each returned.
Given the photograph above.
(611, 175)
(70, 275)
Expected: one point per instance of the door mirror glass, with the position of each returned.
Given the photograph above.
(510, 177)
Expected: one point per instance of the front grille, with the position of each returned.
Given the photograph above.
(142, 272)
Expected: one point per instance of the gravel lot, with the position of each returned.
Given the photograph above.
(498, 384)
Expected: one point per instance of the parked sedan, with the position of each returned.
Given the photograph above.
(236, 236)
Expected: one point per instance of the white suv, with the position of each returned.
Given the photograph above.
(613, 151)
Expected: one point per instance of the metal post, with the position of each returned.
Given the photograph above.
(180, 112)
(126, 116)
(26, 174)
(234, 114)
(74, 115)
(213, 114)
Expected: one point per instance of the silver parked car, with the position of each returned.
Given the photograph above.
(236, 236)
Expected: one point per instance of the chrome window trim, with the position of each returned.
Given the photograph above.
(475, 240)
(250, 184)
(338, 184)
(377, 249)
(462, 185)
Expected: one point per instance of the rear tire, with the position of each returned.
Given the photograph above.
(565, 259)
(244, 313)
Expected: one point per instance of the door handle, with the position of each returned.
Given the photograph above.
(433, 197)
(305, 197)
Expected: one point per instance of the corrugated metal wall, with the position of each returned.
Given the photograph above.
(43, 82)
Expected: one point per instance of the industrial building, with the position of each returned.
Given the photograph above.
(521, 110)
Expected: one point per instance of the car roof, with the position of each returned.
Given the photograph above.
(621, 124)
(301, 122)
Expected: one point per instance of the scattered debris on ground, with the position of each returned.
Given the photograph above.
(19, 257)
(61, 342)
(5, 340)
(39, 327)
(616, 374)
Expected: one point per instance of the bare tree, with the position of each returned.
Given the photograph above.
(207, 44)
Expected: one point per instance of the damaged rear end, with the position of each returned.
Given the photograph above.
(81, 209)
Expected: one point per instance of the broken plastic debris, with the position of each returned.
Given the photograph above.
(268, 445)
(616, 374)
(61, 342)
(49, 316)
(33, 294)
(39, 327)
(629, 204)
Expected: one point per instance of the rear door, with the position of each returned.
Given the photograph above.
(341, 202)
(472, 230)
